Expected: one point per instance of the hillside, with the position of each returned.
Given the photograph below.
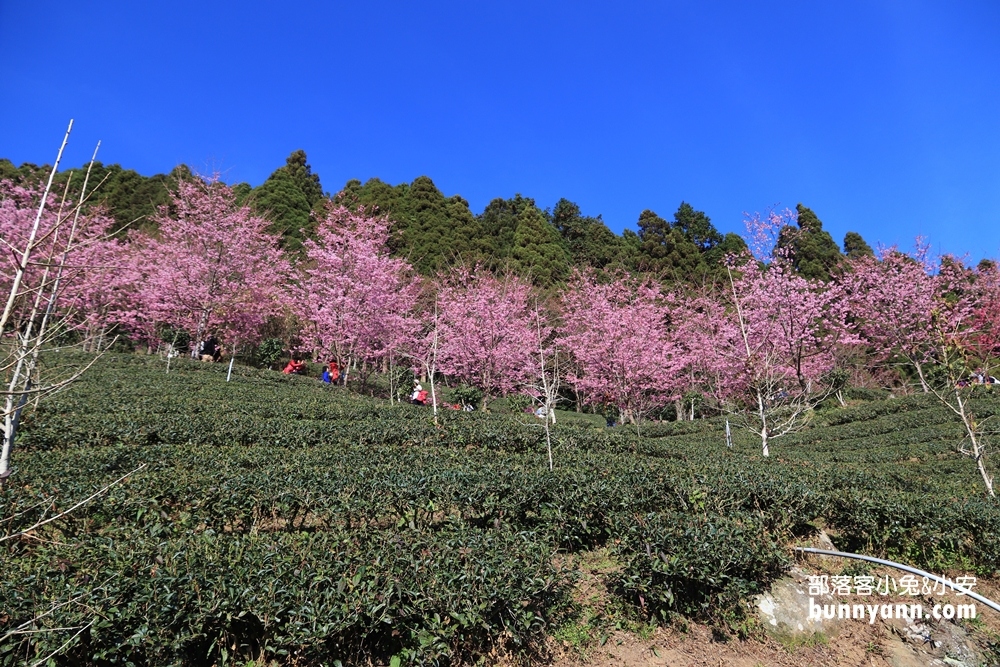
(276, 518)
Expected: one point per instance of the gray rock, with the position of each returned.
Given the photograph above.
(934, 642)
(784, 610)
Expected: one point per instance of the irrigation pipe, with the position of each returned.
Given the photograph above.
(906, 568)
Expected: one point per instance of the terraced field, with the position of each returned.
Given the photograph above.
(276, 518)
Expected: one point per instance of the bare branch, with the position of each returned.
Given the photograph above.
(74, 507)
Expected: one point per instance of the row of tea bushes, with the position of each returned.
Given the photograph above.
(281, 480)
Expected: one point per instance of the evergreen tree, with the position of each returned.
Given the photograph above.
(666, 251)
(8, 172)
(731, 244)
(696, 227)
(297, 166)
(588, 240)
(279, 200)
(440, 231)
(813, 252)
(498, 222)
(288, 198)
(242, 192)
(132, 199)
(432, 231)
(26, 174)
(855, 246)
(538, 253)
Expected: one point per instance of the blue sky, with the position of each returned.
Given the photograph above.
(881, 116)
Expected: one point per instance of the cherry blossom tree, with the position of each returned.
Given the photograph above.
(986, 316)
(26, 221)
(545, 390)
(618, 332)
(776, 334)
(779, 342)
(947, 337)
(957, 336)
(892, 299)
(700, 321)
(486, 331)
(40, 235)
(211, 267)
(356, 302)
(102, 288)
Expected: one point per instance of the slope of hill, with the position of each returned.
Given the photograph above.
(276, 518)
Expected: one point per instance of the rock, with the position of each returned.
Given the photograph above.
(933, 642)
(823, 541)
(784, 611)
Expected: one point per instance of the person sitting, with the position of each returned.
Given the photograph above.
(419, 396)
(326, 375)
(209, 349)
(416, 391)
(334, 370)
(295, 367)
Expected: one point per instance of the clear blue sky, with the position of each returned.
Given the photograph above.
(881, 116)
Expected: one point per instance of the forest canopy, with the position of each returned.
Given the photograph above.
(434, 232)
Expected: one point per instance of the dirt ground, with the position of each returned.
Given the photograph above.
(853, 643)
(698, 647)
(857, 645)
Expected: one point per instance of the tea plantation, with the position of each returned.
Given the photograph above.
(280, 519)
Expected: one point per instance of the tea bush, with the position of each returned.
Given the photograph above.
(280, 518)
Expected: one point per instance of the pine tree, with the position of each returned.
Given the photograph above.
(665, 250)
(432, 231)
(498, 222)
(855, 246)
(696, 227)
(538, 254)
(731, 244)
(280, 201)
(288, 198)
(297, 166)
(813, 252)
(588, 240)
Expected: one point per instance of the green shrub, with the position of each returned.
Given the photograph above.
(276, 515)
(701, 567)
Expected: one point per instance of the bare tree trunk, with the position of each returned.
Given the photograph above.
(762, 416)
(920, 374)
(433, 367)
(31, 334)
(22, 264)
(171, 350)
(977, 452)
(548, 389)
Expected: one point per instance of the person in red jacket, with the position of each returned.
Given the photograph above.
(419, 395)
(295, 367)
